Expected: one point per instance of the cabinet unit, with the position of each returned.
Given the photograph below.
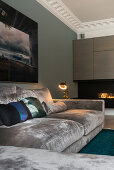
(104, 43)
(94, 58)
(104, 57)
(104, 65)
(83, 59)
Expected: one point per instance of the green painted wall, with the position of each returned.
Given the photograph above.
(55, 48)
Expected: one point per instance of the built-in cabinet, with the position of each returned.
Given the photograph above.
(104, 43)
(104, 65)
(83, 59)
(94, 58)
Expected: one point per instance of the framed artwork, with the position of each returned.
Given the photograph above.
(18, 46)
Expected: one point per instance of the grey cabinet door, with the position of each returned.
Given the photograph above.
(104, 43)
(104, 65)
(83, 59)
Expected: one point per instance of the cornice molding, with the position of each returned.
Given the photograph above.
(94, 25)
(61, 11)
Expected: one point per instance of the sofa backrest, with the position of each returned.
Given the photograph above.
(7, 94)
(42, 94)
(13, 93)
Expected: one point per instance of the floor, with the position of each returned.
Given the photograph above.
(109, 122)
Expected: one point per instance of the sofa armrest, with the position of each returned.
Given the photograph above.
(83, 104)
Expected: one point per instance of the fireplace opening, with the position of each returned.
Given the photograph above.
(106, 95)
(101, 90)
(108, 98)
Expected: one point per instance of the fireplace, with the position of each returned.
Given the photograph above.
(106, 95)
(102, 89)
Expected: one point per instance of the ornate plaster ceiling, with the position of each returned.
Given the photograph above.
(82, 15)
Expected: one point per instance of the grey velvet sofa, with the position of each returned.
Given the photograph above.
(67, 131)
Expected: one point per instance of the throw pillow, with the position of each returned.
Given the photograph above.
(14, 112)
(43, 95)
(54, 107)
(34, 106)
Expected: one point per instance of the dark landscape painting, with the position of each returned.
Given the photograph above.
(18, 46)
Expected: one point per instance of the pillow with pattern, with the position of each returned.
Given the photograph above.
(34, 106)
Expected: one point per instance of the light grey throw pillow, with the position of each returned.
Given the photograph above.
(54, 107)
(43, 95)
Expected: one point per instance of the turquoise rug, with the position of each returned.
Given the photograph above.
(102, 144)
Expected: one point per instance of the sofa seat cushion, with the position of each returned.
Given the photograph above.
(90, 119)
(43, 133)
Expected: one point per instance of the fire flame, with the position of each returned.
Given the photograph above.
(106, 95)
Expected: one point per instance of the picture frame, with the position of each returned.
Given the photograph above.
(18, 46)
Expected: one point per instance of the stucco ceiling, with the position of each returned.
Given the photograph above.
(94, 18)
(91, 10)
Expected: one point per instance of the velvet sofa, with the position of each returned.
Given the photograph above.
(20, 158)
(66, 131)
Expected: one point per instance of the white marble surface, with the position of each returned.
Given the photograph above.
(109, 111)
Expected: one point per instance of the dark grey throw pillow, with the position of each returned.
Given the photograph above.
(13, 113)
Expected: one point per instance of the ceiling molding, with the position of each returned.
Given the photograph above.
(94, 25)
(61, 11)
